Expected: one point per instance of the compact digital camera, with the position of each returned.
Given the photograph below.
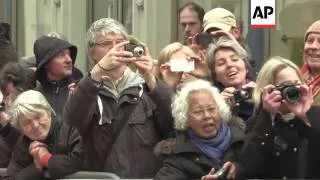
(135, 49)
(222, 173)
(241, 95)
(289, 92)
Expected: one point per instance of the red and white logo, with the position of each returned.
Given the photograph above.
(263, 13)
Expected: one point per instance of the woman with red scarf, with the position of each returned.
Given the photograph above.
(311, 57)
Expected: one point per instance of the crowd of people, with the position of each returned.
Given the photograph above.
(197, 111)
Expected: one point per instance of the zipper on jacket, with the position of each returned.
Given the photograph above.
(57, 89)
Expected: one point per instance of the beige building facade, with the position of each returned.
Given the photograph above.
(154, 22)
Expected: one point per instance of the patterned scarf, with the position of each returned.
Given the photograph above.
(214, 147)
(310, 80)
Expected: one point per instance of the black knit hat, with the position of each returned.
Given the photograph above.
(45, 48)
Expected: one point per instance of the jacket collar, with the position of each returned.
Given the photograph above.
(183, 145)
(128, 80)
(54, 125)
(52, 84)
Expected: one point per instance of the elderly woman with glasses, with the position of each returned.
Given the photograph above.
(47, 148)
(208, 137)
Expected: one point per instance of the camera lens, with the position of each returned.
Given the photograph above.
(291, 94)
(241, 95)
(138, 51)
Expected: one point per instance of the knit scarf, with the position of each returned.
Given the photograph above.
(214, 147)
(310, 80)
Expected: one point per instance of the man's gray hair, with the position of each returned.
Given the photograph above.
(28, 103)
(180, 104)
(103, 27)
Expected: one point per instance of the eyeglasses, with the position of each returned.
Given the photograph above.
(200, 112)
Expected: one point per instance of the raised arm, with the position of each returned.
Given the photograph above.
(82, 102)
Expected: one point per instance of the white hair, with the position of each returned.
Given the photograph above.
(180, 104)
(28, 103)
(103, 27)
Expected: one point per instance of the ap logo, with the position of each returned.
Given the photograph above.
(263, 13)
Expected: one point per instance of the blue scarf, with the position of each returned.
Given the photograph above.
(214, 147)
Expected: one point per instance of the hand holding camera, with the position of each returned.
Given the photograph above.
(115, 58)
(296, 98)
(301, 106)
(143, 62)
(243, 94)
(172, 79)
(136, 49)
(228, 171)
(235, 96)
(228, 95)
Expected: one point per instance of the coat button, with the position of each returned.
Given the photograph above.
(277, 154)
(284, 177)
(197, 159)
(291, 125)
(266, 135)
(295, 149)
(135, 99)
(262, 144)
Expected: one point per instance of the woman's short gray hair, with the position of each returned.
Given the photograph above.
(225, 43)
(180, 104)
(28, 103)
(103, 27)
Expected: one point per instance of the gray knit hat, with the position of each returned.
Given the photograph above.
(314, 28)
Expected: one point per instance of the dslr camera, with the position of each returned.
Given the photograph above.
(289, 92)
(135, 49)
(241, 95)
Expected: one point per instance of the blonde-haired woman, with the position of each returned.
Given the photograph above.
(284, 140)
(48, 148)
(178, 52)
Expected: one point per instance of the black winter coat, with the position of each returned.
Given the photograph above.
(187, 162)
(8, 138)
(282, 150)
(56, 93)
(64, 144)
(131, 155)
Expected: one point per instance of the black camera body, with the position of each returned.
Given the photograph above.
(204, 39)
(135, 49)
(241, 95)
(289, 92)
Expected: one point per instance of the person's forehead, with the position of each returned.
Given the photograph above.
(188, 15)
(314, 34)
(109, 36)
